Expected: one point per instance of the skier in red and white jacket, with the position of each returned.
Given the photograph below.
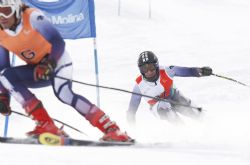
(27, 33)
(157, 81)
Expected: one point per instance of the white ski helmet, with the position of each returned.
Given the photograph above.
(15, 6)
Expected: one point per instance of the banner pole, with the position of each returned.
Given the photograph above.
(96, 73)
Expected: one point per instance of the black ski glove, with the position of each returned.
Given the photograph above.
(205, 71)
(5, 104)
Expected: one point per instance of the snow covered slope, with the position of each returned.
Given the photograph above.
(213, 33)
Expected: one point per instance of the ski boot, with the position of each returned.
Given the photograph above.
(44, 123)
(111, 131)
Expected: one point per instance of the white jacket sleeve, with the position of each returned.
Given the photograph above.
(134, 104)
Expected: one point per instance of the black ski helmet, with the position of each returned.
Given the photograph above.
(148, 57)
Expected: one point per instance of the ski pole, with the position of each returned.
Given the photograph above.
(54, 120)
(228, 78)
(126, 91)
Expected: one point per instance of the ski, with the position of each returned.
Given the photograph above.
(13, 140)
(53, 140)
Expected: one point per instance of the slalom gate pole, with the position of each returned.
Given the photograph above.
(149, 9)
(230, 79)
(96, 73)
(126, 91)
(6, 123)
(64, 124)
(119, 8)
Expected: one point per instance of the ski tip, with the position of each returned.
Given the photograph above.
(120, 143)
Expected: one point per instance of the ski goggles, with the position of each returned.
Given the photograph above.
(7, 11)
(147, 67)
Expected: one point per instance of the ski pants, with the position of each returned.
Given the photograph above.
(17, 81)
(180, 104)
